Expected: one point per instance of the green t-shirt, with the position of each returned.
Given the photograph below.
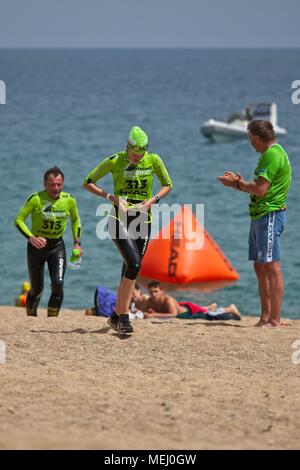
(133, 181)
(48, 216)
(275, 167)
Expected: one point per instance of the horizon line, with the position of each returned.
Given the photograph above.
(28, 47)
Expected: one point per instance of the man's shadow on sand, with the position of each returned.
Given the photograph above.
(81, 331)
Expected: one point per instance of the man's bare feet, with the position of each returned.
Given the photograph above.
(264, 319)
(234, 311)
(261, 323)
(275, 324)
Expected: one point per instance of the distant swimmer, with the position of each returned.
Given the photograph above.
(49, 210)
(268, 194)
(129, 223)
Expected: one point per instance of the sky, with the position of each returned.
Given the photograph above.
(150, 23)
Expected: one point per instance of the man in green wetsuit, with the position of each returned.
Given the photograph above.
(132, 171)
(49, 210)
(268, 194)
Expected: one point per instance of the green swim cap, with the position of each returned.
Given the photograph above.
(138, 137)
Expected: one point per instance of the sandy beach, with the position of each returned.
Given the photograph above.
(72, 383)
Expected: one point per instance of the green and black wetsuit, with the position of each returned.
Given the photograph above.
(134, 183)
(49, 220)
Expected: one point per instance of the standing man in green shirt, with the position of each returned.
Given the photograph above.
(49, 211)
(268, 194)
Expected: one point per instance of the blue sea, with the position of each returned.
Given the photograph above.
(71, 108)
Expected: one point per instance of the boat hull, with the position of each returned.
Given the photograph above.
(218, 131)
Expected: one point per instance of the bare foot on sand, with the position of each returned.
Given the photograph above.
(261, 323)
(273, 324)
(235, 311)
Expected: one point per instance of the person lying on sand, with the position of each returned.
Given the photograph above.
(161, 305)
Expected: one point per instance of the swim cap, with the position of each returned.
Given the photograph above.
(138, 137)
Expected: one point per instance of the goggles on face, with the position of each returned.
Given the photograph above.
(137, 149)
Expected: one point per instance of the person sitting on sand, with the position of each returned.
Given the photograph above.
(162, 305)
(139, 301)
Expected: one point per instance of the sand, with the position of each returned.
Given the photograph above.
(71, 383)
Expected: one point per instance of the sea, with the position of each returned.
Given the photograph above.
(72, 108)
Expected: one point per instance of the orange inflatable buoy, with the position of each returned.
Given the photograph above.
(21, 300)
(184, 253)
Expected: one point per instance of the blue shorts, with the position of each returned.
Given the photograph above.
(264, 243)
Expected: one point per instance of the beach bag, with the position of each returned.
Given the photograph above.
(105, 301)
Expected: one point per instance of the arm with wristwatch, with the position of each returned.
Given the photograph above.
(117, 200)
(146, 205)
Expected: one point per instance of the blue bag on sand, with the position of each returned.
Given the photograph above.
(105, 301)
